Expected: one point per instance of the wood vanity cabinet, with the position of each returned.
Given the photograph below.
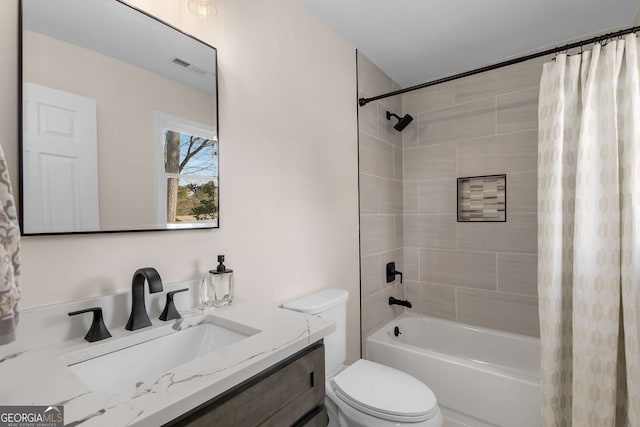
(290, 393)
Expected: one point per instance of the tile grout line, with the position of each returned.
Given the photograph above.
(457, 198)
(475, 138)
(419, 265)
(455, 303)
(496, 106)
(470, 288)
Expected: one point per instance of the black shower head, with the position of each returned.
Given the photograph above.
(403, 122)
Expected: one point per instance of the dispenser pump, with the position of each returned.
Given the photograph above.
(221, 267)
(219, 286)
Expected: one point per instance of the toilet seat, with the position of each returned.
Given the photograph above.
(384, 392)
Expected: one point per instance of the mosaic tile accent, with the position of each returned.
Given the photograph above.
(482, 198)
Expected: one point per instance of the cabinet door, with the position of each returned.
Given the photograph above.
(278, 397)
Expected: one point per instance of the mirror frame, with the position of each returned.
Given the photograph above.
(192, 226)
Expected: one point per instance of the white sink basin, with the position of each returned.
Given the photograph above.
(124, 363)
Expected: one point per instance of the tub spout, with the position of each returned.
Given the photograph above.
(405, 303)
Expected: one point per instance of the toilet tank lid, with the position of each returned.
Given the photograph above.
(318, 302)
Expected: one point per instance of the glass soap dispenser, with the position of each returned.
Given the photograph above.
(220, 285)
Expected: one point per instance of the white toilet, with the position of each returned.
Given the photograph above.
(365, 394)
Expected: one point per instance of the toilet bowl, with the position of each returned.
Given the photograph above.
(368, 394)
(365, 393)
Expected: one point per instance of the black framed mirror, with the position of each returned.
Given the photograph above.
(119, 121)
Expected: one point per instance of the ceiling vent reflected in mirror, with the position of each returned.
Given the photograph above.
(180, 62)
(187, 65)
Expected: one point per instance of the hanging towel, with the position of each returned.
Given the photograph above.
(9, 257)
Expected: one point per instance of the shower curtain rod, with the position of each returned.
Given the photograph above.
(365, 101)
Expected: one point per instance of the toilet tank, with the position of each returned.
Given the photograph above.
(330, 304)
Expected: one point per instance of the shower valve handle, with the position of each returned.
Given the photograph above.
(392, 272)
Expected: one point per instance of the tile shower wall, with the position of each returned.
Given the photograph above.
(478, 273)
(381, 197)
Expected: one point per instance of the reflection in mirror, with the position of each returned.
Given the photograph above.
(119, 121)
(188, 185)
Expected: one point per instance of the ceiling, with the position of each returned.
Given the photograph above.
(415, 41)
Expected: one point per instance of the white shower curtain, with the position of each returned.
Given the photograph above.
(589, 237)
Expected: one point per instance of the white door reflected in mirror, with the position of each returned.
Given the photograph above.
(60, 158)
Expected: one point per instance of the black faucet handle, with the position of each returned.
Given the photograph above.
(170, 312)
(98, 331)
(392, 272)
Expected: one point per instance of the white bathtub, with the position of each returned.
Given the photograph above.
(481, 377)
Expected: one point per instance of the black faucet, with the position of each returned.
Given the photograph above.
(139, 317)
(405, 303)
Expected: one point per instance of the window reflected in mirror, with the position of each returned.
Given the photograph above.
(191, 170)
(187, 183)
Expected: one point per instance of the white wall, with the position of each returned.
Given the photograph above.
(288, 167)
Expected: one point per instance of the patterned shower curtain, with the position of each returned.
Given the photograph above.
(589, 237)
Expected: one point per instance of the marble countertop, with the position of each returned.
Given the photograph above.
(40, 376)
